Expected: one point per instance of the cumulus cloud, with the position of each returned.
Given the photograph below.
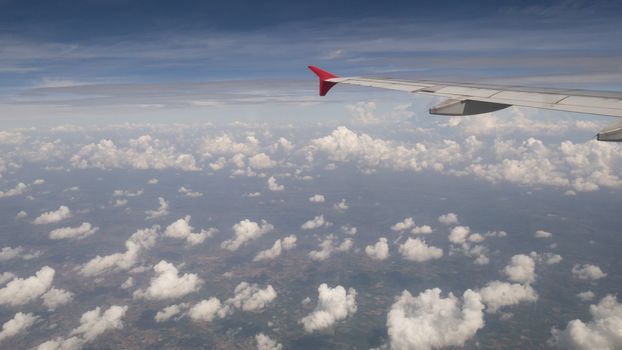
(6, 276)
(207, 310)
(448, 219)
(79, 232)
(168, 284)
(542, 234)
(266, 343)
(189, 193)
(18, 324)
(415, 249)
(587, 272)
(349, 230)
(273, 185)
(604, 331)
(279, 245)
(19, 189)
(314, 223)
(126, 193)
(329, 245)
(497, 294)
(140, 241)
(317, 198)
(261, 161)
(170, 311)
(144, 152)
(55, 297)
(20, 291)
(341, 206)
(245, 231)
(378, 251)
(586, 296)
(459, 234)
(161, 211)
(181, 229)
(54, 216)
(8, 253)
(334, 305)
(225, 145)
(403, 225)
(429, 321)
(250, 297)
(521, 268)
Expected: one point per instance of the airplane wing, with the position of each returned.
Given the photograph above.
(471, 99)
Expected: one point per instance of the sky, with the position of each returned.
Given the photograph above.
(170, 179)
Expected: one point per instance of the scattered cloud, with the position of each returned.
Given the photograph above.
(273, 185)
(542, 234)
(140, 241)
(207, 310)
(314, 223)
(249, 297)
(17, 325)
(497, 294)
(55, 297)
(20, 291)
(181, 229)
(448, 219)
(170, 311)
(245, 231)
(160, 212)
(266, 343)
(586, 296)
(429, 321)
(317, 198)
(19, 189)
(521, 269)
(329, 245)
(588, 272)
(168, 284)
(378, 251)
(416, 249)
(602, 332)
(55, 216)
(189, 193)
(334, 305)
(79, 232)
(279, 245)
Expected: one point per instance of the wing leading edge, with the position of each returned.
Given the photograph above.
(471, 99)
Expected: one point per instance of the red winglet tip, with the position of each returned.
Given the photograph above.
(323, 76)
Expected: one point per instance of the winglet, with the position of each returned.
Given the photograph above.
(324, 76)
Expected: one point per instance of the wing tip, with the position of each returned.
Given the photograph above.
(323, 76)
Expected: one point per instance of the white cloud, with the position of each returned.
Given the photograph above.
(181, 229)
(429, 321)
(253, 194)
(119, 202)
(161, 211)
(168, 284)
(273, 185)
(152, 181)
(604, 331)
(415, 249)
(587, 272)
(521, 269)
(459, 234)
(349, 230)
(140, 241)
(261, 161)
(341, 206)
(497, 294)
(378, 251)
(21, 215)
(20, 188)
(55, 297)
(225, 145)
(79, 232)
(170, 311)
(6, 276)
(542, 234)
(189, 193)
(266, 343)
(448, 219)
(586, 296)
(421, 230)
(128, 283)
(144, 152)
(126, 193)
(551, 259)
(314, 223)
(207, 310)
(249, 297)
(403, 225)
(334, 305)
(95, 323)
(245, 231)
(18, 324)
(20, 291)
(279, 245)
(8, 253)
(328, 245)
(317, 198)
(51, 217)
